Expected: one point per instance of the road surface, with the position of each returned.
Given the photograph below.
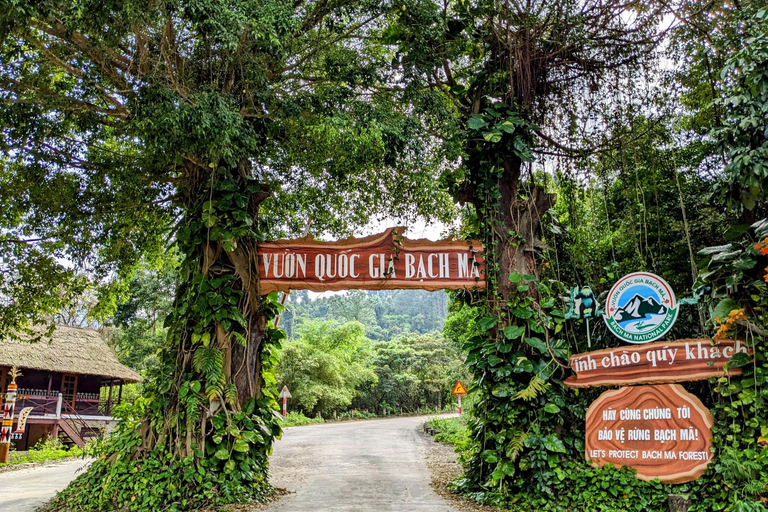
(26, 489)
(360, 466)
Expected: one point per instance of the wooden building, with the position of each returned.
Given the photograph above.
(72, 379)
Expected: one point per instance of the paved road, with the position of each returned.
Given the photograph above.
(24, 490)
(359, 466)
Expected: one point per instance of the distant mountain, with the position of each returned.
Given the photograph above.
(639, 307)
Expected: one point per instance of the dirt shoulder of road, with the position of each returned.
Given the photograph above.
(441, 461)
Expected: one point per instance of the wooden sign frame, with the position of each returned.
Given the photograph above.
(378, 262)
(662, 431)
(654, 363)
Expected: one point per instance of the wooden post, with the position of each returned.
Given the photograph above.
(120, 393)
(109, 399)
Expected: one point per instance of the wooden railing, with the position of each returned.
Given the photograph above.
(45, 403)
(79, 430)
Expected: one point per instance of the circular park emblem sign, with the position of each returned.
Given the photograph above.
(641, 307)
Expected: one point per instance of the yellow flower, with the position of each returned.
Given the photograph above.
(727, 324)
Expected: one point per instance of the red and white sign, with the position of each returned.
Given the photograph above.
(662, 431)
(285, 394)
(23, 419)
(459, 390)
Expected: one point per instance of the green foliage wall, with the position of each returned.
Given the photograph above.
(324, 366)
(413, 372)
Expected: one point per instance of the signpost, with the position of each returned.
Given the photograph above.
(286, 395)
(459, 390)
(653, 426)
(384, 261)
(662, 431)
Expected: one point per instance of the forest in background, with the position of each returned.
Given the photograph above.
(382, 352)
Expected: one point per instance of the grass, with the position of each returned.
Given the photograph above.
(297, 419)
(452, 431)
(44, 451)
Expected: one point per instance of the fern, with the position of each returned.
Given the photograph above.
(210, 362)
(239, 338)
(230, 393)
(515, 445)
(216, 388)
(536, 387)
(191, 404)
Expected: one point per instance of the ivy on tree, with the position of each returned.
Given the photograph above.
(509, 72)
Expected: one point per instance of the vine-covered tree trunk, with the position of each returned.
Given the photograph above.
(512, 360)
(519, 235)
(208, 421)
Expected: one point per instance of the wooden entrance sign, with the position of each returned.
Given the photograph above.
(654, 363)
(384, 261)
(662, 431)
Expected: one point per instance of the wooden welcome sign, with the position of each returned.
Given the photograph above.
(384, 261)
(654, 363)
(662, 431)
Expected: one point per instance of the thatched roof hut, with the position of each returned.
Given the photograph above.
(68, 350)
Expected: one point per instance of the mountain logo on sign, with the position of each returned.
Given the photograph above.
(641, 307)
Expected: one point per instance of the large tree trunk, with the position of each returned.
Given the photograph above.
(518, 234)
(240, 343)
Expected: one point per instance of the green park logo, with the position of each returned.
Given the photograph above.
(641, 307)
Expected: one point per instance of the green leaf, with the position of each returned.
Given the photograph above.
(492, 136)
(724, 307)
(725, 255)
(739, 359)
(487, 322)
(735, 231)
(523, 313)
(513, 332)
(476, 122)
(554, 444)
(494, 360)
(715, 249)
(745, 262)
(222, 454)
(538, 344)
(551, 408)
(241, 446)
(502, 391)
(490, 456)
(506, 126)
